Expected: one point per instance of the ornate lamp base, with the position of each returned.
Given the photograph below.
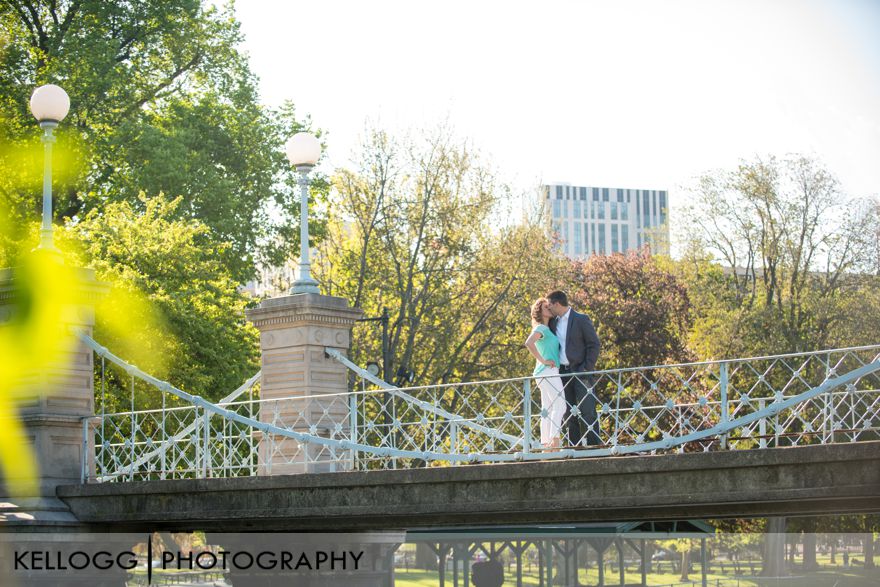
(301, 286)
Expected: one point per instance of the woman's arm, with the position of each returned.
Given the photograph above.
(534, 337)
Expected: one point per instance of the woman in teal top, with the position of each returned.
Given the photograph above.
(544, 346)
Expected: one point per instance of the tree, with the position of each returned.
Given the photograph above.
(865, 525)
(739, 537)
(419, 227)
(682, 546)
(202, 328)
(792, 247)
(162, 101)
(640, 308)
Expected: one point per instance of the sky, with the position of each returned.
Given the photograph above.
(624, 93)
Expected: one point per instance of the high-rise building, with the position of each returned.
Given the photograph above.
(590, 220)
(271, 281)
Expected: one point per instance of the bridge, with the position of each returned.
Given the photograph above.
(792, 434)
(808, 480)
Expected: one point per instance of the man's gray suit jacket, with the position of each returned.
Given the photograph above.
(582, 342)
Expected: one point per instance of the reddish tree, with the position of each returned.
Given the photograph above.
(641, 311)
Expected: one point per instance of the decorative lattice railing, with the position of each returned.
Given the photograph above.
(786, 400)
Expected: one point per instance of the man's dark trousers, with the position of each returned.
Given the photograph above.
(577, 393)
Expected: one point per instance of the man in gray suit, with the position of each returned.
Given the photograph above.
(578, 353)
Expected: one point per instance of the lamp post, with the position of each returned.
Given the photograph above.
(386, 360)
(49, 105)
(303, 151)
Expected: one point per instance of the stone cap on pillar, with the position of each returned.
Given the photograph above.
(308, 308)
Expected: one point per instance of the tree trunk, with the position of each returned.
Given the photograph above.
(810, 563)
(685, 565)
(833, 549)
(773, 552)
(869, 550)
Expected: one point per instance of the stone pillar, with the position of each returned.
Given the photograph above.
(62, 398)
(299, 381)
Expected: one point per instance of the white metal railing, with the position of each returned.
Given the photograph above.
(785, 400)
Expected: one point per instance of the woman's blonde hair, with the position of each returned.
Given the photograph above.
(537, 314)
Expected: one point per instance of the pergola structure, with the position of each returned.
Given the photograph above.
(558, 547)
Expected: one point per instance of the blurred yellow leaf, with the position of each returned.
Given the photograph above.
(44, 298)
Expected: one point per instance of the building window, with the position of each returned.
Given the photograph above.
(613, 210)
(624, 237)
(583, 192)
(662, 208)
(593, 237)
(639, 239)
(576, 212)
(604, 194)
(638, 211)
(565, 235)
(600, 210)
(557, 209)
(601, 249)
(578, 249)
(655, 215)
(559, 192)
(619, 195)
(646, 207)
(586, 240)
(624, 211)
(615, 244)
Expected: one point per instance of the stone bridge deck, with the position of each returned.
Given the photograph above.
(811, 480)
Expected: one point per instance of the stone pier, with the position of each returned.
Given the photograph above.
(302, 388)
(62, 398)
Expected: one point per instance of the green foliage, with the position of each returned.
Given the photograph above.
(162, 100)
(211, 347)
(797, 258)
(411, 232)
